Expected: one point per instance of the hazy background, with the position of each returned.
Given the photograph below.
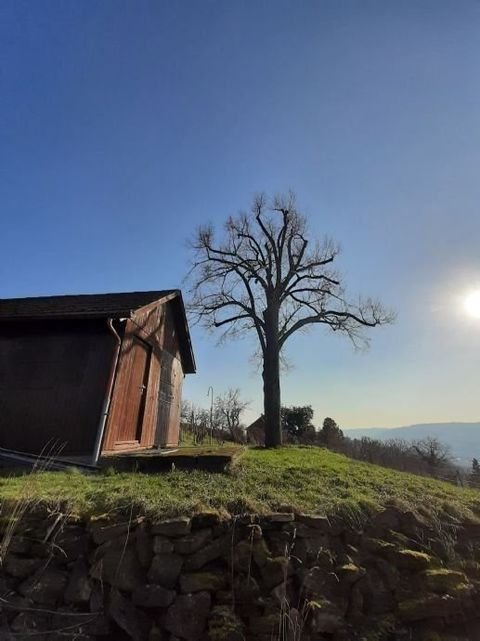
(123, 125)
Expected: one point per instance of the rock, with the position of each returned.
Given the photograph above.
(261, 553)
(165, 569)
(70, 624)
(349, 573)
(173, 527)
(412, 524)
(72, 543)
(472, 568)
(355, 607)
(19, 545)
(389, 573)
(428, 607)
(187, 616)
(206, 519)
(97, 597)
(377, 598)
(279, 541)
(210, 552)
(344, 559)
(254, 532)
(313, 581)
(162, 545)
(443, 580)
(193, 542)
(280, 517)
(153, 596)
(143, 546)
(303, 531)
(157, 634)
(267, 624)
(101, 624)
(103, 531)
(243, 556)
(224, 625)
(79, 588)
(411, 560)
(315, 521)
(202, 581)
(325, 559)
(378, 547)
(279, 593)
(120, 567)
(274, 571)
(12, 604)
(19, 567)
(326, 622)
(387, 519)
(308, 550)
(28, 625)
(245, 589)
(46, 586)
(127, 617)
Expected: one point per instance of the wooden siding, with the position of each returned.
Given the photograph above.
(53, 379)
(155, 326)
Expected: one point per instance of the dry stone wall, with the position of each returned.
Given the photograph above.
(278, 577)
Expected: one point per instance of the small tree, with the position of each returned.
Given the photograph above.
(229, 408)
(330, 435)
(433, 453)
(475, 473)
(266, 276)
(197, 421)
(297, 422)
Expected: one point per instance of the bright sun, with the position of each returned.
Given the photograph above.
(472, 304)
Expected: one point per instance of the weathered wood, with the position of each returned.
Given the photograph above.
(156, 421)
(53, 377)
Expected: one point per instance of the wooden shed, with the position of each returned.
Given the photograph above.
(92, 374)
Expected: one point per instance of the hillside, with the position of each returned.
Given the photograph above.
(462, 438)
(304, 479)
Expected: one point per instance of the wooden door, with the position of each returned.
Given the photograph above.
(168, 414)
(130, 426)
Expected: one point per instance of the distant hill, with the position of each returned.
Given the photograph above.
(463, 438)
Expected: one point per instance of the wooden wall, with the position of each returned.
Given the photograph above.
(53, 379)
(155, 325)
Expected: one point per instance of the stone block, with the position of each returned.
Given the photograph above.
(165, 569)
(187, 617)
(193, 541)
(202, 581)
(176, 527)
(153, 596)
(211, 552)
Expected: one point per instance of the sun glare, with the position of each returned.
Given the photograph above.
(472, 304)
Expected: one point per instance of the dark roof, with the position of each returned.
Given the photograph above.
(118, 305)
(92, 305)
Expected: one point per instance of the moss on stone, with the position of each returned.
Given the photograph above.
(379, 546)
(413, 560)
(349, 573)
(224, 625)
(443, 580)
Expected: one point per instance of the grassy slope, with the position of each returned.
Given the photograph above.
(302, 478)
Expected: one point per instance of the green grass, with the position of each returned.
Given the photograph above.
(305, 479)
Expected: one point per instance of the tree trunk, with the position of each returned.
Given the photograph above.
(271, 384)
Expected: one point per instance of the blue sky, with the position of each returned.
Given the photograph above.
(124, 125)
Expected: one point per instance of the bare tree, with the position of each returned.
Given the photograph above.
(196, 419)
(229, 408)
(433, 453)
(265, 275)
